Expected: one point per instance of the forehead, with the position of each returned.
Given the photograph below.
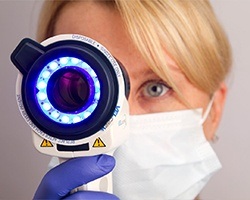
(102, 23)
(94, 20)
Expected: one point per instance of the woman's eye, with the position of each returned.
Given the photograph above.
(155, 89)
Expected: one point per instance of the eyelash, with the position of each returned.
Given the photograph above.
(144, 88)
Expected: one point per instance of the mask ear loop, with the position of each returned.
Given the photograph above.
(204, 118)
(215, 138)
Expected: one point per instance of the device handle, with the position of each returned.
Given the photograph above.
(103, 184)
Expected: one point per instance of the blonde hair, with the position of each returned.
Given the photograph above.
(187, 31)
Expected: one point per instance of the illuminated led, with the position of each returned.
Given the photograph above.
(46, 74)
(86, 114)
(97, 90)
(97, 95)
(41, 85)
(76, 119)
(55, 114)
(75, 60)
(64, 60)
(97, 84)
(42, 96)
(65, 119)
(92, 107)
(46, 106)
(53, 65)
(92, 73)
(85, 65)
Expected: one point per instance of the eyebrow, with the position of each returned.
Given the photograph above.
(142, 72)
(149, 71)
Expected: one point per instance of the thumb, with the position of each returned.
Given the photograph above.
(73, 173)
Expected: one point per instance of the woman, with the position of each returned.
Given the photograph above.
(177, 58)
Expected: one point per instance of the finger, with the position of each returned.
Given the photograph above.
(91, 195)
(73, 173)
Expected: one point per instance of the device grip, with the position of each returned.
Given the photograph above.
(103, 184)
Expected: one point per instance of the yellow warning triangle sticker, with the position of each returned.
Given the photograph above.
(99, 143)
(46, 143)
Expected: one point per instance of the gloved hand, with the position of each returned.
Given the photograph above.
(59, 181)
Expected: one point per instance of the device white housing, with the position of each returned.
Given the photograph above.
(113, 134)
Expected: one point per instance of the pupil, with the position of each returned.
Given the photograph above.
(68, 90)
(155, 90)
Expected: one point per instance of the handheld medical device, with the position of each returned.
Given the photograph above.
(73, 94)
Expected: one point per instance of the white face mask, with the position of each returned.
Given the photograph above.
(166, 157)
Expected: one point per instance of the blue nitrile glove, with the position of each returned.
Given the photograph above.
(59, 181)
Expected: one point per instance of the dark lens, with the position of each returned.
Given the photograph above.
(68, 90)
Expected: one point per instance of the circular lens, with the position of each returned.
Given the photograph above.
(68, 90)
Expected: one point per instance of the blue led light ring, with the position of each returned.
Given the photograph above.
(42, 96)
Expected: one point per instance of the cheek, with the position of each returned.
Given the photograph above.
(139, 105)
(136, 108)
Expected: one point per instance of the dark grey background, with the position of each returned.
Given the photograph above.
(22, 167)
